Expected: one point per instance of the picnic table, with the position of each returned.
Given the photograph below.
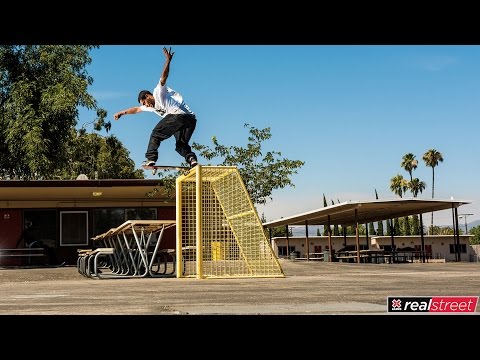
(129, 250)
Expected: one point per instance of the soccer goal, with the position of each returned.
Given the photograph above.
(219, 233)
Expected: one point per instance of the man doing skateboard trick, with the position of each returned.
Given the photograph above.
(177, 118)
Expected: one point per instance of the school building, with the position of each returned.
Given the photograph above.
(438, 248)
(65, 214)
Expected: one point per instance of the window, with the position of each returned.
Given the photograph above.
(73, 228)
(453, 248)
(140, 214)
(106, 219)
(45, 221)
(282, 250)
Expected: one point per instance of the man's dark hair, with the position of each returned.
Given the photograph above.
(143, 94)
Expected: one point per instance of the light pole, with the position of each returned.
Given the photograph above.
(465, 217)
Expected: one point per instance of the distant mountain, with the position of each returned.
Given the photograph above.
(472, 224)
(461, 224)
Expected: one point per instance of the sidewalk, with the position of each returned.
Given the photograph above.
(308, 288)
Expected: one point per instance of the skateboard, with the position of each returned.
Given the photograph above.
(154, 168)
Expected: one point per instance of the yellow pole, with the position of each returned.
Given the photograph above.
(178, 195)
(198, 226)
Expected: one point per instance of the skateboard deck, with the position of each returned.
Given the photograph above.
(155, 168)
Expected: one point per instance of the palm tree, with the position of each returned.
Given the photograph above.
(431, 158)
(398, 185)
(409, 163)
(416, 186)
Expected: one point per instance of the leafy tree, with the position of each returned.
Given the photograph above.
(261, 173)
(443, 230)
(475, 231)
(41, 89)
(415, 225)
(389, 227)
(380, 228)
(371, 229)
(404, 226)
(361, 229)
(431, 158)
(396, 227)
(98, 157)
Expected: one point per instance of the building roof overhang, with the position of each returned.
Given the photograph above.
(83, 193)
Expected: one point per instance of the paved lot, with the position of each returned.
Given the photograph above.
(307, 288)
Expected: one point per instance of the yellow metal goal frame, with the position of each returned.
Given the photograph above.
(219, 232)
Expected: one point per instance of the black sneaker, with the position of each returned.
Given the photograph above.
(192, 161)
(148, 163)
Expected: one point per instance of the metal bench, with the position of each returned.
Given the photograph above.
(28, 253)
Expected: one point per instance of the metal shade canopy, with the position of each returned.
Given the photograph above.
(366, 212)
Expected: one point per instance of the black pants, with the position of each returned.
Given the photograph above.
(179, 125)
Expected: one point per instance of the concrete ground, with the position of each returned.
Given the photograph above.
(307, 288)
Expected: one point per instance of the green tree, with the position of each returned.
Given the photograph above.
(415, 225)
(361, 229)
(261, 173)
(380, 228)
(98, 157)
(431, 158)
(371, 229)
(389, 227)
(404, 226)
(41, 89)
(475, 231)
(443, 230)
(396, 226)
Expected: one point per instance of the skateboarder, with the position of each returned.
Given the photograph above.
(177, 118)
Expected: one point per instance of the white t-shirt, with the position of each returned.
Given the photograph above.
(167, 101)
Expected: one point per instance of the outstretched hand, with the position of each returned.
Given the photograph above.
(168, 53)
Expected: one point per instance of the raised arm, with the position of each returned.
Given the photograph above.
(129, 111)
(166, 68)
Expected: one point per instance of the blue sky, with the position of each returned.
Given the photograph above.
(350, 112)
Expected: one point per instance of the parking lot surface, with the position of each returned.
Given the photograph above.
(307, 288)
